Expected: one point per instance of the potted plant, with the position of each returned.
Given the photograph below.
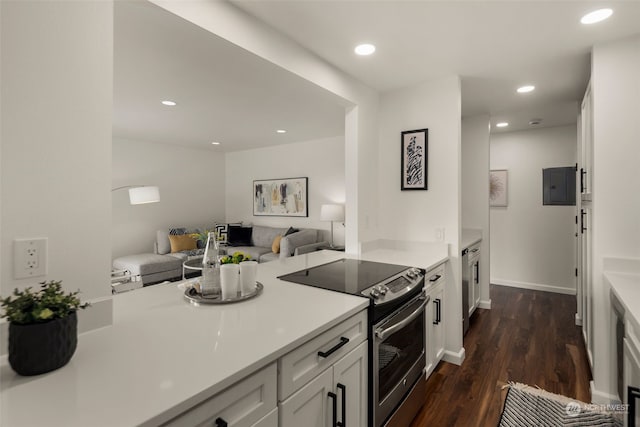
(43, 327)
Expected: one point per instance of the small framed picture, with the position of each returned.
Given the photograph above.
(498, 188)
(415, 145)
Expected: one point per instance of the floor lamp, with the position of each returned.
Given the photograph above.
(332, 213)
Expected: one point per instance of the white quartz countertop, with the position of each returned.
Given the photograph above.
(163, 355)
(626, 287)
(470, 237)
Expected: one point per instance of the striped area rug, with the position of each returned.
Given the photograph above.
(527, 406)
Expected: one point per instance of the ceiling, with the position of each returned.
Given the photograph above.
(230, 95)
(223, 93)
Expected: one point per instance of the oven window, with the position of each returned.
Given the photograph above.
(397, 354)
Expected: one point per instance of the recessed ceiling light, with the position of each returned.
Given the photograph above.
(365, 49)
(526, 89)
(502, 124)
(169, 103)
(215, 143)
(281, 131)
(596, 16)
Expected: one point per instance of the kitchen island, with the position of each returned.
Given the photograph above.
(161, 356)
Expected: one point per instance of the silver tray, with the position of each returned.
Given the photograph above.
(195, 298)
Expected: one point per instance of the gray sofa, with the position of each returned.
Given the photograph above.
(163, 265)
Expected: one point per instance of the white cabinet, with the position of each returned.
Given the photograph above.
(586, 145)
(244, 404)
(338, 394)
(435, 315)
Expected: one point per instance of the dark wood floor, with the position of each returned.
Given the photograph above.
(528, 337)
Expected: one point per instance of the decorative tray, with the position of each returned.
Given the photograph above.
(194, 297)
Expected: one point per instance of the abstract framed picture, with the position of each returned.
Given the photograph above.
(498, 187)
(281, 197)
(414, 157)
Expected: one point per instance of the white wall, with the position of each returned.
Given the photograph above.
(192, 191)
(475, 191)
(533, 245)
(57, 85)
(615, 201)
(322, 161)
(415, 215)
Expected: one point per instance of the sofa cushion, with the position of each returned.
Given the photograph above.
(144, 264)
(275, 246)
(291, 230)
(263, 236)
(222, 230)
(183, 242)
(239, 236)
(289, 243)
(163, 245)
(269, 256)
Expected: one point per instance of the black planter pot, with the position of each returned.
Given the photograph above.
(42, 347)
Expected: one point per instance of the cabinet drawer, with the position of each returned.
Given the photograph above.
(434, 277)
(302, 364)
(270, 420)
(241, 405)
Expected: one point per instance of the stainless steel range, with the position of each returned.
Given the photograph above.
(397, 330)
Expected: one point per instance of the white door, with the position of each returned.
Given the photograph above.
(350, 380)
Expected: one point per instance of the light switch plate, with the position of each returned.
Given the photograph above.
(29, 258)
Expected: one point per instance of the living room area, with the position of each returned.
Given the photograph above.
(221, 128)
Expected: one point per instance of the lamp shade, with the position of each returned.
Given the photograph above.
(332, 213)
(142, 195)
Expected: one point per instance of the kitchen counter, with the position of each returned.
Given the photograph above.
(162, 355)
(469, 238)
(626, 287)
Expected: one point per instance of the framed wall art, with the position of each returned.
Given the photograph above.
(498, 187)
(281, 197)
(414, 159)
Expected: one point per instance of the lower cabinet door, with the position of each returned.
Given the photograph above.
(350, 382)
(312, 405)
(270, 420)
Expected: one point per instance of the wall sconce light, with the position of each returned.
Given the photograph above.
(141, 194)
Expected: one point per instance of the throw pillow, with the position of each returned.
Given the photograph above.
(222, 231)
(275, 247)
(239, 236)
(291, 230)
(182, 242)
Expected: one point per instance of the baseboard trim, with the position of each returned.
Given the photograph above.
(600, 397)
(534, 286)
(485, 304)
(454, 357)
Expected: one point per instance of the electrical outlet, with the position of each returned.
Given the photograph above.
(29, 258)
(440, 234)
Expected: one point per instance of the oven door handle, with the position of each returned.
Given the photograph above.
(384, 333)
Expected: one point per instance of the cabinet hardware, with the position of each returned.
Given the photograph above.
(438, 304)
(583, 173)
(334, 409)
(633, 393)
(343, 389)
(582, 227)
(435, 278)
(220, 422)
(335, 348)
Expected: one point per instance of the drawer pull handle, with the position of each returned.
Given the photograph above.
(435, 278)
(335, 348)
(220, 422)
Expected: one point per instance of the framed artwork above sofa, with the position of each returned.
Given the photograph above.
(281, 197)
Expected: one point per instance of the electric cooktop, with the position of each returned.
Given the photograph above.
(346, 275)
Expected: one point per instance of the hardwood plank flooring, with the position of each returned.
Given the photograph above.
(528, 337)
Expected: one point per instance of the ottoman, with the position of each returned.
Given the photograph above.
(152, 268)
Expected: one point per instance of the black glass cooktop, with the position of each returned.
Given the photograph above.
(346, 275)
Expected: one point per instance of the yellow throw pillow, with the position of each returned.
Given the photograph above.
(275, 246)
(183, 242)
